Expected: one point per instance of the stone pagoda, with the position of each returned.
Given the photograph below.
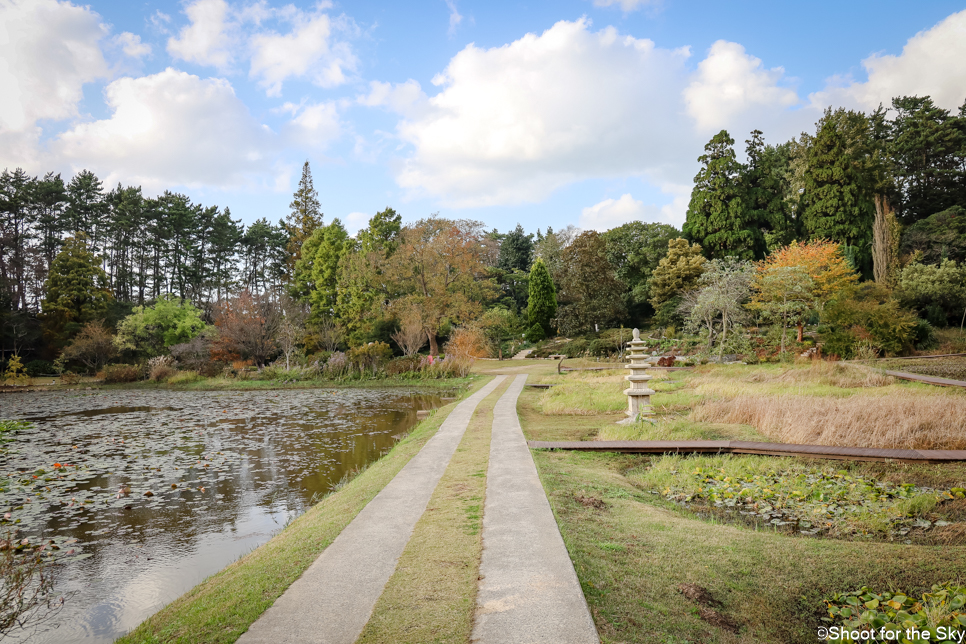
(639, 395)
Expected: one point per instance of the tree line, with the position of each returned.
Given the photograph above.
(884, 192)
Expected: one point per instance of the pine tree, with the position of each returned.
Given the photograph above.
(305, 217)
(516, 250)
(542, 300)
(718, 217)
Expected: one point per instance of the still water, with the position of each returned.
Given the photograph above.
(140, 495)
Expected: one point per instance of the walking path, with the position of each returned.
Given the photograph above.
(529, 592)
(332, 601)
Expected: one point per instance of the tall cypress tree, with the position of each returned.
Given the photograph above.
(305, 217)
(718, 217)
(542, 301)
(838, 182)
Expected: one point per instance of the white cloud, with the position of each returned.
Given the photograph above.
(513, 123)
(931, 63)
(220, 35)
(610, 213)
(406, 98)
(171, 128)
(208, 39)
(626, 5)
(316, 124)
(308, 51)
(131, 45)
(355, 221)
(454, 16)
(730, 83)
(48, 50)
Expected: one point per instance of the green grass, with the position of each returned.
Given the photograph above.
(221, 608)
(634, 549)
(431, 596)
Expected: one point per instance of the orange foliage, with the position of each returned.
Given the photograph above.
(822, 259)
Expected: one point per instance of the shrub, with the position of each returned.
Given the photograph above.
(184, 377)
(406, 364)
(452, 366)
(115, 373)
(924, 336)
(36, 368)
(574, 348)
(468, 342)
(535, 333)
(160, 368)
(602, 347)
(868, 316)
(370, 356)
(69, 378)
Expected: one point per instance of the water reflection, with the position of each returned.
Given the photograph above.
(158, 490)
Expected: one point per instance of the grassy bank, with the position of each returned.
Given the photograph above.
(745, 549)
(223, 606)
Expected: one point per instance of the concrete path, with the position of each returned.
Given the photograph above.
(529, 591)
(332, 600)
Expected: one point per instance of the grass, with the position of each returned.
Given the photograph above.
(655, 571)
(223, 606)
(431, 596)
(814, 403)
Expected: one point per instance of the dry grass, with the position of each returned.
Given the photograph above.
(902, 420)
(818, 372)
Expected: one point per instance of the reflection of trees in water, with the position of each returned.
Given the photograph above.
(278, 448)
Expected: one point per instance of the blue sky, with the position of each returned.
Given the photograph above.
(579, 112)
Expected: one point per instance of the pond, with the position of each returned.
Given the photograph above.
(140, 495)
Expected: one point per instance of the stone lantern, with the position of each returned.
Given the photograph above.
(639, 395)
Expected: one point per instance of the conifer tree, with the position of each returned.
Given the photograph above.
(838, 182)
(76, 290)
(305, 217)
(718, 216)
(542, 298)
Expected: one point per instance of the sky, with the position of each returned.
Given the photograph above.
(583, 112)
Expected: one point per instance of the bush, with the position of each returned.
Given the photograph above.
(184, 377)
(535, 333)
(406, 364)
(370, 356)
(872, 318)
(574, 348)
(115, 373)
(36, 368)
(160, 368)
(924, 336)
(602, 347)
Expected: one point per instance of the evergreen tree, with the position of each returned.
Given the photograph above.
(86, 207)
(590, 294)
(928, 147)
(382, 232)
(542, 298)
(16, 233)
(634, 251)
(516, 251)
(838, 183)
(76, 291)
(305, 217)
(316, 272)
(718, 217)
(766, 189)
(677, 272)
